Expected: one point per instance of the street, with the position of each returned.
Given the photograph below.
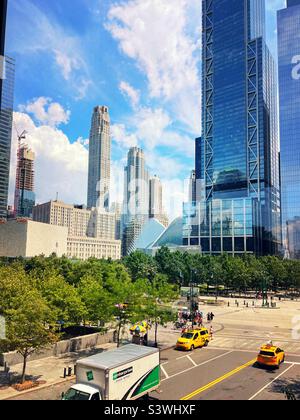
(222, 371)
(216, 374)
(210, 374)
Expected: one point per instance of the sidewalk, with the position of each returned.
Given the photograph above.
(234, 327)
(50, 370)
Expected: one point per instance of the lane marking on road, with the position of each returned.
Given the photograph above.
(164, 372)
(292, 363)
(182, 357)
(270, 383)
(192, 361)
(201, 364)
(217, 381)
(249, 351)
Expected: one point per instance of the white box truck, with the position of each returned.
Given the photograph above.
(127, 373)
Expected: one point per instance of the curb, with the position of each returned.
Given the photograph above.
(45, 386)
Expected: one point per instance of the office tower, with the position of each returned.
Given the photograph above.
(24, 191)
(156, 210)
(117, 209)
(240, 210)
(136, 197)
(136, 194)
(3, 13)
(7, 70)
(192, 187)
(198, 159)
(289, 94)
(99, 159)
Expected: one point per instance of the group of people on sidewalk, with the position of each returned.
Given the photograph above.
(185, 318)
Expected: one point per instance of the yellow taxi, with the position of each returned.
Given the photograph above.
(270, 355)
(193, 339)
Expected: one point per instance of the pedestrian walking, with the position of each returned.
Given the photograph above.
(208, 317)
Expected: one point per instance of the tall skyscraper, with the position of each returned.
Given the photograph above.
(156, 210)
(24, 191)
(99, 159)
(3, 10)
(240, 210)
(192, 187)
(136, 194)
(7, 69)
(136, 197)
(289, 89)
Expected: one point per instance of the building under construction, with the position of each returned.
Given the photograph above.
(24, 192)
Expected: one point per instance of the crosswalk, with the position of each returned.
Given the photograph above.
(253, 344)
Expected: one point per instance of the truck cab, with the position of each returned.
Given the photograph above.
(82, 392)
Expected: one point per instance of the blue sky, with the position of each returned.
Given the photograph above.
(139, 57)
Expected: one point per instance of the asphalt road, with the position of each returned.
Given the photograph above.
(210, 374)
(217, 374)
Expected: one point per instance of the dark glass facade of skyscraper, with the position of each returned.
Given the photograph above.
(240, 150)
(7, 68)
(289, 90)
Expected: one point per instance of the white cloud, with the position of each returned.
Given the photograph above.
(46, 112)
(164, 41)
(122, 138)
(127, 90)
(152, 128)
(60, 167)
(151, 124)
(66, 63)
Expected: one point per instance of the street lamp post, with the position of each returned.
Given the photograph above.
(264, 293)
(192, 295)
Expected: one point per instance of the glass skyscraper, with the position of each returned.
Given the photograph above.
(239, 210)
(7, 68)
(289, 87)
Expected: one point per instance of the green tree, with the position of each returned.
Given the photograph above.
(276, 271)
(172, 265)
(62, 298)
(140, 266)
(159, 295)
(97, 300)
(26, 325)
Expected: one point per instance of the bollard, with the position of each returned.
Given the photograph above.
(228, 304)
(65, 373)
